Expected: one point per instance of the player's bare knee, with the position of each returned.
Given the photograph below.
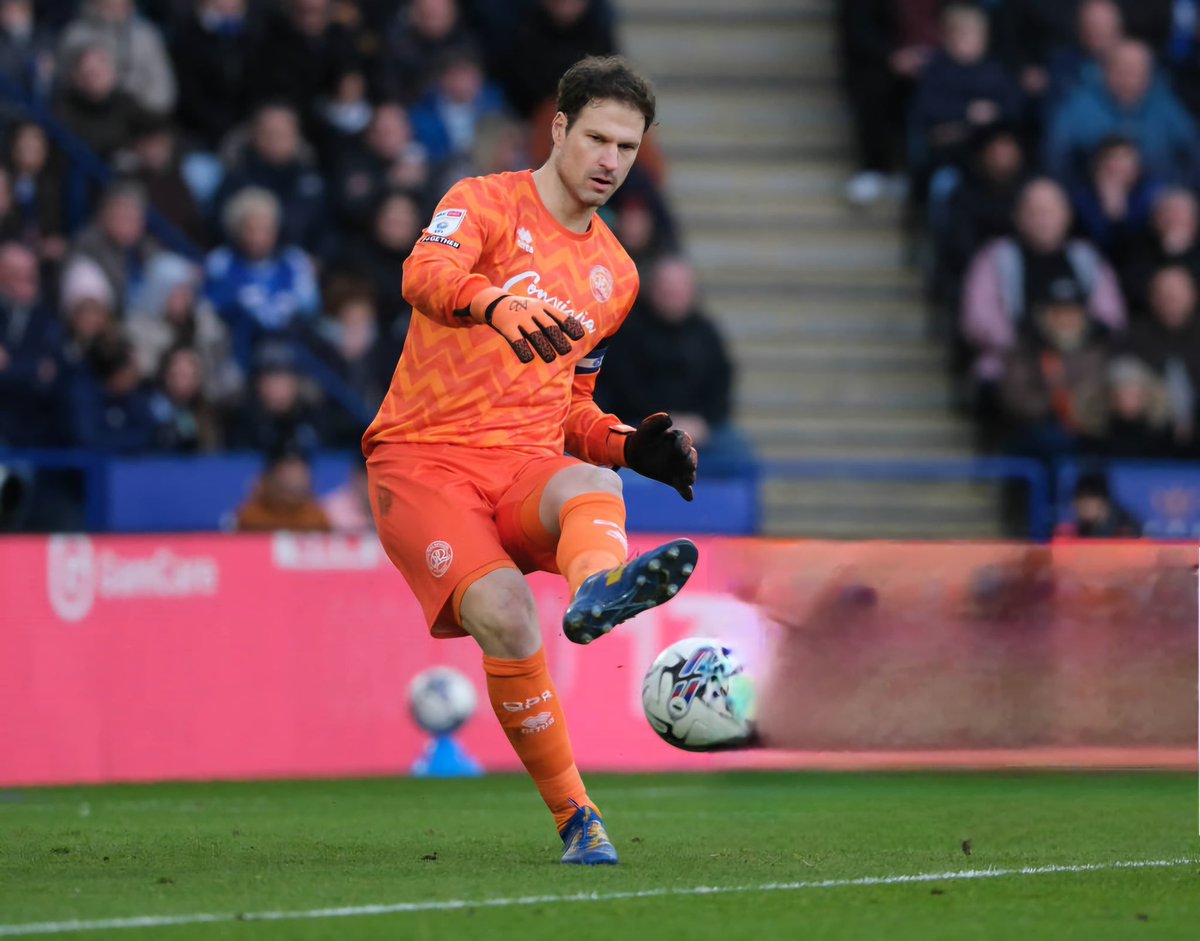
(573, 482)
(500, 613)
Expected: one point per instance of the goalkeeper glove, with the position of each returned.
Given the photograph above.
(527, 324)
(657, 451)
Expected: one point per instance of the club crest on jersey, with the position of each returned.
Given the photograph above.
(524, 239)
(601, 281)
(439, 556)
(447, 221)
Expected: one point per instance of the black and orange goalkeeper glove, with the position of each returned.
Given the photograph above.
(527, 324)
(656, 450)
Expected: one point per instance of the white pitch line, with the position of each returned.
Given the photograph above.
(450, 905)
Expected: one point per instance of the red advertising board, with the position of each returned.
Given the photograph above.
(144, 658)
(177, 657)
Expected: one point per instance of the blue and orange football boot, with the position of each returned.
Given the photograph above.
(585, 841)
(607, 598)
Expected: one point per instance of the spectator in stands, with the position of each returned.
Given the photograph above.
(347, 339)
(378, 259)
(885, 44)
(669, 355)
(1097, 514)
(1181, 52)
(1029, 32)
(1008, 274)
(186, 421)
(1131, 102)
(276, 158)
(143, 70)
(91, 105)
(1113, 207)
(37, 190)
(979, 208)
(342, 115)
(1080, 61)
(26, 50)
(1138, 425)
(388, 157)
(10, 216)
(31, 337)
(960, 90)
(89, 309)
(117, 240)
(278, 414)
(170, 312)
(642, 222)
(417, 38)
(348, 507)
(554, 35)
(109, 405)
(153, 159)
(1169, 343)
(444, 121)
(1173, 239)
(1053, 386)
(213, 55)
(283, 498)
(300, 54)
(257, 285)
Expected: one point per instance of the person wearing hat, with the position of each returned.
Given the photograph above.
(1096, 514)
(1052, 391)
(283, 497)
(278, 414)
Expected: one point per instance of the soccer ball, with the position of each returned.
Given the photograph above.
(441, 699)
(697, 698)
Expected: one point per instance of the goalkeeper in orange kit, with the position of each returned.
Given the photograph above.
(516, 284)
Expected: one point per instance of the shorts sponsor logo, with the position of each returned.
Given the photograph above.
(442, 240)
(529, 703)
(601, 281)
(439, 556)
(78, 575)
(524, 239)
(447, 221)
(538, 723)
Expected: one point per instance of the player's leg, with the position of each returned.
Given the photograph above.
(582, 505)
(498, 610)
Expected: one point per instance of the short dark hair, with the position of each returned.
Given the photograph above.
(604, 78)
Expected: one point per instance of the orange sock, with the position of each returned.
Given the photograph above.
(527, 706)
(593, 536)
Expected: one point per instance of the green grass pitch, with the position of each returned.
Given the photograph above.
(217, 850)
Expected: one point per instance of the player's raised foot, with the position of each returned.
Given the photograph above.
(585, 841)
(607, 598)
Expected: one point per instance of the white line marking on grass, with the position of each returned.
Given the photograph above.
(452, 905)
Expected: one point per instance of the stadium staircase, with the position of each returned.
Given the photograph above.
(823, 311)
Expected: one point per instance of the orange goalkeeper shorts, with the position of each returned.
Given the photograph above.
(449, 514)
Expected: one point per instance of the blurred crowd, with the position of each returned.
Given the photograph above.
(205, 206)
(1052, 150)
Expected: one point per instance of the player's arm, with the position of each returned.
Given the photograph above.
(441, 283)
(654, 449)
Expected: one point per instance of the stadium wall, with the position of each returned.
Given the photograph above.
(207, 657)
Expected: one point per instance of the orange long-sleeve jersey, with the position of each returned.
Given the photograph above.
(459, 382)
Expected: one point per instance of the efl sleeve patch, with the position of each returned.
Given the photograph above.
(446, 221)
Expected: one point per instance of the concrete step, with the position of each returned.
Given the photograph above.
(766, 179)
(881, 450)
(811, 213)
(837, 355)
(740, 51)
(857, 430)
(850, 397)
(779, 523)
(684, 12)
(843, 253)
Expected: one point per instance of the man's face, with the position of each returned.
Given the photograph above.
(390, 132)
(16, 17)
(289, 484)
(124, 220)
(673, 290)
(30, 149)
(1173, 297)
(1043, 217)
(1127, 73)
(277, 135)
(594, 157)
(19, 275)
(397, 224)
(95, 77)
(965, 36)
(1099, 27)
(258, 233)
